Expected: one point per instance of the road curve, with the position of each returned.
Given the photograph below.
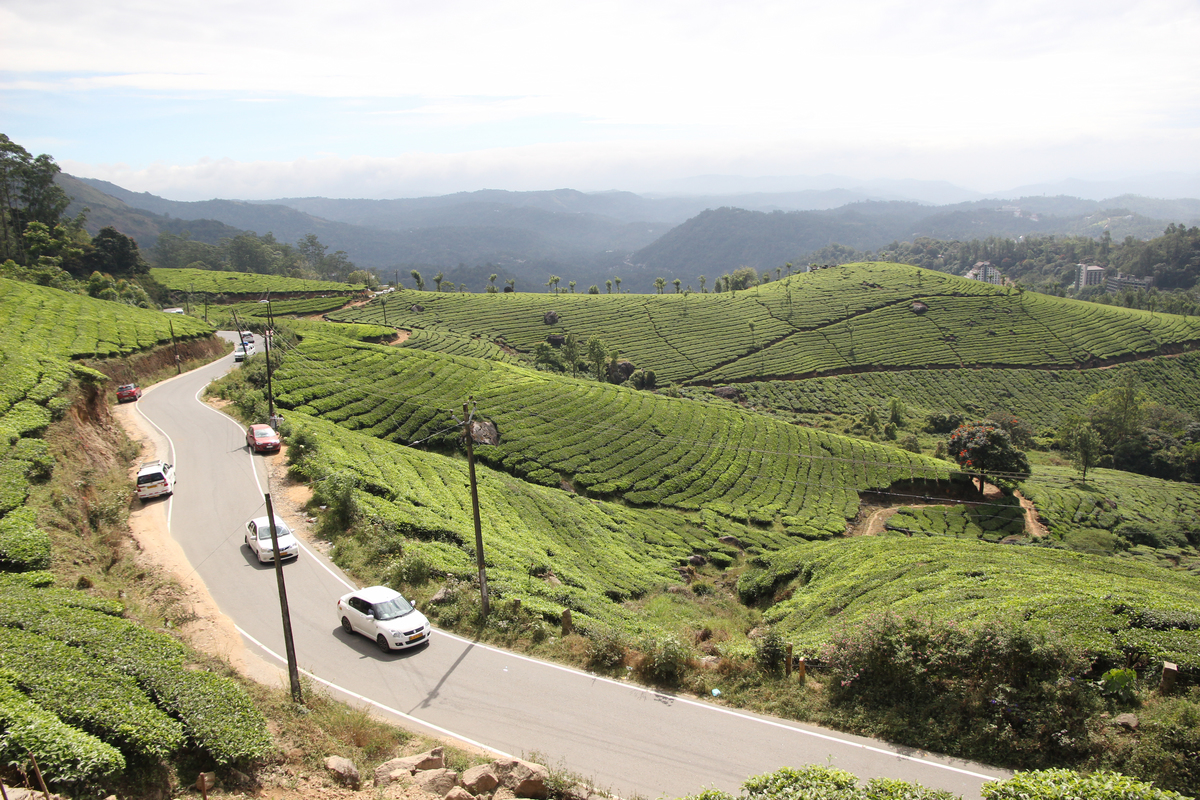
(625, 739)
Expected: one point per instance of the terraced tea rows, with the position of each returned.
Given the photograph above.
(1039, 396)
(993, 521)
(210, 281)
(551, 549)
(859, 317)
(455, 345)
(606, 440)
(59, 324)
(1110, 607)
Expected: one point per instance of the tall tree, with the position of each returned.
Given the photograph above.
(986, 448)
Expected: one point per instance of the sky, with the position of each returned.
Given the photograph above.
(396, 98)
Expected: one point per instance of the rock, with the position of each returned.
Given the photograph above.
(239, 778)
(389, 771)
(620, 371)
(416, 308)
(436, 781)
(524, 778)
(17, 793)
(731, 540)
(697, 560)
(484, 432)
(919, 308)
(550, 317)
(480, 779)
(344, 771)
(443, 595)
(710, 662)
(727, 392)
(556, 339)
(458, 793)
(1127, 721)
(207, 780)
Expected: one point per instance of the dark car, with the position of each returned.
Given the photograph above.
(262, 439)
(128, 391)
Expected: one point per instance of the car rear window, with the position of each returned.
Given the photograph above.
(152, 477)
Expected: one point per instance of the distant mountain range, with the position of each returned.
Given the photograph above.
(589, 237)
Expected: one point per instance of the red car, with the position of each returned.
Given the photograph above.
(128, 391)
(262, 439)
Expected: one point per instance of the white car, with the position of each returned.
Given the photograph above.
(155, 478)
(258, 539)
(382, 614)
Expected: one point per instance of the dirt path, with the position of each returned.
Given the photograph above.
(876, 521)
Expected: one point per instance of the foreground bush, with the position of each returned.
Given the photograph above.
(1063, 784)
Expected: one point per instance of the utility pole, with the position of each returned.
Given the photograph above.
(270, 391)
(175, 344)
(383, 305)
(475, 509)
(289, 647)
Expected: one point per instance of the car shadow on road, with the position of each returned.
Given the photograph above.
(368, 649)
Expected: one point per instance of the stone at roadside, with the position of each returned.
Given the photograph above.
(480, 779)
(524, 778)
(344, 771)
(15, 793)
(386, 772)
(442, 595)
(436, 781)
(458, 793)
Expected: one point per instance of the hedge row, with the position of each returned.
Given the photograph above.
(212, 281)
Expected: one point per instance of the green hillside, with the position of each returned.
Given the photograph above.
(605, 440)
(853, 318)
(54, 323)
(234, 283)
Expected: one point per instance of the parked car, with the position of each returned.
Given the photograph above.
(128, 391)
(155, 478)
(262, 439)
(240, 352)
(382, 614)
(258, 539)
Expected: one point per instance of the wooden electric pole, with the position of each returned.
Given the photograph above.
(175, 345)
(475, 509)
(288, 646)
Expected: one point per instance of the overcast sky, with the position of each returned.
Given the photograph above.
(397, 98)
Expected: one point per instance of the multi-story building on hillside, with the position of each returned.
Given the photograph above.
(1122, 282)
(984, 271)
(1086, 275)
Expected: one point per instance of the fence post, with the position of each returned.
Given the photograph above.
(567, 627)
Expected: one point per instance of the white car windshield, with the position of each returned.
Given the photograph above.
(390, 609)
(281, 530)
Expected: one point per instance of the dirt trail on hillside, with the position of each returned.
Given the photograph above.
(875, 521)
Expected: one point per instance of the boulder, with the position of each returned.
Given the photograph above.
(388, 771)
(697, 560)
(436, 781)
(727, 392)
(550, 317)
(620, 371)
(416, 308)
(733, 541)
(443, 595)
(484, 432)
(458, 793)
(1127, 721)
(556, 339)
(480, 779)
(344, 771)
(523, 778)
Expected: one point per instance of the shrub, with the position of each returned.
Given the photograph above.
(663, 660)
(606, 648)
(23, 545)
(770, 652)
(1062, 784)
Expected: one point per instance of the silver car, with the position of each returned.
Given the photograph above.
(258, 539)
(382, 614)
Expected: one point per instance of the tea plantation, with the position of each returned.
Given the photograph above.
(857, 317)
(607, 441)
(86, 691)
(210, 281)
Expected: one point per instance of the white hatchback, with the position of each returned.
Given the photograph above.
(258, 539)
(382, 614)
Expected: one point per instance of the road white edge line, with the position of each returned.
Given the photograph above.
(377, 704)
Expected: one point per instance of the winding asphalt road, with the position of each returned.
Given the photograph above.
(625, 739)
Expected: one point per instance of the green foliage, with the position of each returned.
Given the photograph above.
(23, 545)
(66, 755)
(215, 712)
(770, 652)
(991, 521)
(1119, 683)
(1107, 608)
(1063, 784)
(663, 659)
(987, 448)
(236, 283)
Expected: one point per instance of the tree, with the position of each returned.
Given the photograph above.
(418, 280)
(554, 279)
(677, 283)
(510, 285)
(571, 286)
(364, 277)
(659, 283)
(703, 280)
(570, 353)
(986, 448)
(1116, 413)
(593, 289)
(1085, 446)
(896, 412)
(617, 281)
(28, 193)
(608, 286)
(491, 287)
(115, 253)
(597, 354)
(437, 281)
